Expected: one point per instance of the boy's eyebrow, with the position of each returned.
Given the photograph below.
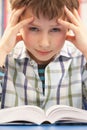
(32, 24)
(56, 25)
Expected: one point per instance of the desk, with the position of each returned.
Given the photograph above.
(43, 127)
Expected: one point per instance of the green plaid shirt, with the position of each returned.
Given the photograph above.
(65, 80)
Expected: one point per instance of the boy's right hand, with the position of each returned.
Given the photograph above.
(10, 36)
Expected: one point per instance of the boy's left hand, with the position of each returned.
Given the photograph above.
(79, 39)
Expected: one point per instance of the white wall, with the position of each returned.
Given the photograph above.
(83, 8)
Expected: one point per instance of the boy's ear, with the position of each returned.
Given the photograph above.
(19, 37)
(70, 35)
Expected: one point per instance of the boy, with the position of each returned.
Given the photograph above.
(42, 66)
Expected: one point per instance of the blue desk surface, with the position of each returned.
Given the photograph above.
(43, 127)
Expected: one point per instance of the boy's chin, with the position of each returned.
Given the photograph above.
(40, 61)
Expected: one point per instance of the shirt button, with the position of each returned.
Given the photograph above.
(31, 62)
(39, 89)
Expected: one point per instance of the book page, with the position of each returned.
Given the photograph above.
(66, 113)
(22, 113)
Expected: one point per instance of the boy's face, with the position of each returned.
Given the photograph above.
(43, 38)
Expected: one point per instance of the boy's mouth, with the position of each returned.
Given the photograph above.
(43, 52)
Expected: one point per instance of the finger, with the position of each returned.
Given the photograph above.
(71, 16)
(11, 14)
(77, 15)
(68, 25)
(22, 24)
(16, 15)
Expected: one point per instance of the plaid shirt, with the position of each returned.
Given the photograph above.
(65, 80)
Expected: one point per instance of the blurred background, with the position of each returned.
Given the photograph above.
(5, 11)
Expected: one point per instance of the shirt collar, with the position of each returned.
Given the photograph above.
(20, 52)
(69, 50)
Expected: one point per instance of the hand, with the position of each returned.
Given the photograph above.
(79, 39)
(11, 35)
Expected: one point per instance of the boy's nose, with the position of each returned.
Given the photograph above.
(44, 42)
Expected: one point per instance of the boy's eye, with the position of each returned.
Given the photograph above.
(55, 30)
(33, 29)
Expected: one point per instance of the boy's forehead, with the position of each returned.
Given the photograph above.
(41, 20)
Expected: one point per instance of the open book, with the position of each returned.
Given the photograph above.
(34, 114)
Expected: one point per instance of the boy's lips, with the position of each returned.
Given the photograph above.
(43, 52)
